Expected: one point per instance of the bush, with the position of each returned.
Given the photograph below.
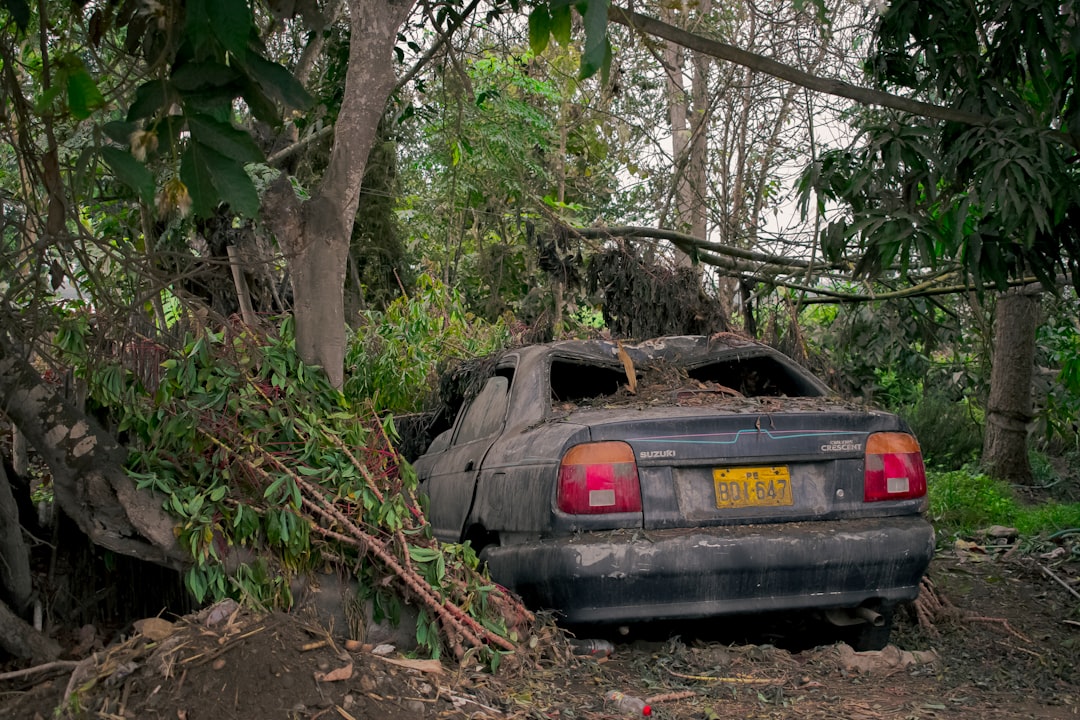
(394, 358)
(949, 431)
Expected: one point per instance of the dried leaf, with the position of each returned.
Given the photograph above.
(342, 673)
(154, 629)
(628, 366)
(428, 666)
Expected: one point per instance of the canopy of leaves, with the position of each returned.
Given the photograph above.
(999, 199)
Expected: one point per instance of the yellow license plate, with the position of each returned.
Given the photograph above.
(741, 487)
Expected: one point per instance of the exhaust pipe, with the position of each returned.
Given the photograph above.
(843, 617)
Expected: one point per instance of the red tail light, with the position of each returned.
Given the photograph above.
(894, 468)
(597, 478)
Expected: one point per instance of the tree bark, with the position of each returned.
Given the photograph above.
(16, 585)
(87, 464)
(1009, 408)
(19, 638)
(316, 234)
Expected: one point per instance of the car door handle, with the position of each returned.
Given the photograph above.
(469, 465)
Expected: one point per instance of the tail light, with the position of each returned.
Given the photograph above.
(597, 478)
(894, 468)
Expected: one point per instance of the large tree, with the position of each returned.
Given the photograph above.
(994, 201)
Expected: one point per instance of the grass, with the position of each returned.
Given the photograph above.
(964, 501)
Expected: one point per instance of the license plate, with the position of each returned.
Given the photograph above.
(741, 487)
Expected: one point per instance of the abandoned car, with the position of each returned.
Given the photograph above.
(682, 477)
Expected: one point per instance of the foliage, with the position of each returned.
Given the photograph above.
(892, 353)
(258, 456)
(963, 502)
(999, 198)
(506, 140)
(376, 248)
(949, 430)
(1059, 343)
(394, 358)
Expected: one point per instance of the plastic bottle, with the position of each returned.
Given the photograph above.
(592, 647)
(628, 703)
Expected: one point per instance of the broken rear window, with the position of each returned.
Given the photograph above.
(585, 382)
(574, 380)
(760, 376)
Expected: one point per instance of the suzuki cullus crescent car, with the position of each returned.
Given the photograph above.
(682, 477)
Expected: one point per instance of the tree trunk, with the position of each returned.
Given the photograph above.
(678, 112)
(19, 638)
(316, 235)
(87, 464)
(16, 584)
(1008, 409)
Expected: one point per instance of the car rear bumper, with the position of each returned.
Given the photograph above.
(631, 576)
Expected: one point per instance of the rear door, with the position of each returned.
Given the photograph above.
(449, 477)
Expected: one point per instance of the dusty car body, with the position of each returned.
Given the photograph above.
(731, 481)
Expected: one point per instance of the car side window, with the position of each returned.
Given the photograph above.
(485, 414)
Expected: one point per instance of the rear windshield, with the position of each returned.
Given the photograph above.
(756, 377)
(586, 382)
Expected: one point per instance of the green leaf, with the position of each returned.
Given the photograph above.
(131, 172)
(20, 12)
(231, 22)
(193, 76)
(149, 98)
(273, 487)
(83, 94)
(45, 100)
(197, 25)
(561, 24)
(118, 131)
(423, 554)
(277, 82)
(195, 173)
(596, 40)
(223, 137)
(539, 29)
(261, 106)
(197, 583)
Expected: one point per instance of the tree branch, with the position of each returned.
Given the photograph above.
(689, 242)
(723, 51)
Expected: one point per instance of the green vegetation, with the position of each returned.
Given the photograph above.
(949, 431)
(964, 501)
(260, 459)
(393, 359)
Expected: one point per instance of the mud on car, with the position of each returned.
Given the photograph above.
(682, 477)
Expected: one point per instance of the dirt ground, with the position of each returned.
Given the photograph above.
(1008, 646)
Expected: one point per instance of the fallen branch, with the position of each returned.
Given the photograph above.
(1059, 581)
(999, 621)
(726, 680)
(670, 697)
(54, 665)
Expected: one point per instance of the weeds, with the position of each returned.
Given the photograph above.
(965, 501)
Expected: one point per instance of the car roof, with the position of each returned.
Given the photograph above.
(685, 350)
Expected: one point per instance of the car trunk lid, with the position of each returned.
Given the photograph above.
(748, 460)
